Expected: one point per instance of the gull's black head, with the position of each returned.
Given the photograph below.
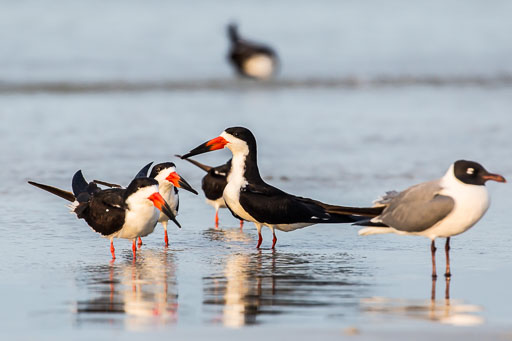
(473, 173)
(161, 167)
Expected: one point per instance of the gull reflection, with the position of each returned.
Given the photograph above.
(252, 286)
(446, 311)
(141, 292)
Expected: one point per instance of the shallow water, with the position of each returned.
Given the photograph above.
(339, 137)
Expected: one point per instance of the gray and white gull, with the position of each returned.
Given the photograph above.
(440, 208)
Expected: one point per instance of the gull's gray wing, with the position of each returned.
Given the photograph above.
(417, 208)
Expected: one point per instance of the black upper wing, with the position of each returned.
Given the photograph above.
(270, 205)
(215, 181)
(104, 212)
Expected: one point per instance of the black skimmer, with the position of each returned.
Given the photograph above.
(213, 184)
(168, 183)
(116, 213)
(253, 60)
(248, 197)
(440, 208)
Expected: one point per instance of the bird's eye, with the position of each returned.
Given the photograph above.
(470, 171)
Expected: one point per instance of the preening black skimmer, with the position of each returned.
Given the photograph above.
(250, 59)
(249, 198)
(440, 208)
(213, 184)
(168, 183)
(116, 213)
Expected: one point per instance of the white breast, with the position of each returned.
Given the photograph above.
(471, 203)
(219, 203)
(236, 182)
(166, 190)
(141, 216)
(259, 66)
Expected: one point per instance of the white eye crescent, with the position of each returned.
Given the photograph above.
(470, 171)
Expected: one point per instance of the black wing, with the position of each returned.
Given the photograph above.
(104, 212)
(215, 181)
(270, 205)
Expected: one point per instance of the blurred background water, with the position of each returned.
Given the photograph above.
(371, 96)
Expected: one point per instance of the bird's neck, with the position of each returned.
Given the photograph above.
(244, 165)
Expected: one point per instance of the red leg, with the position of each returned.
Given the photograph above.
(140, 242)
(112, 250)
(260, 239)
(166, 238)
(241, 224)
(274, 241)
(134, 248)
(216, 218)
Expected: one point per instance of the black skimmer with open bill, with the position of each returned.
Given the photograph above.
(250, 59)
(213, 184)
(440, 208)
(248, 197)
(116, 213)
(168, 183)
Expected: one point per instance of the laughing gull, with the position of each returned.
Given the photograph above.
(440, 208)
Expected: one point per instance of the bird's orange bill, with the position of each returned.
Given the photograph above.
(493, 177)
(179, 182)
(163, 206)
(213, 144)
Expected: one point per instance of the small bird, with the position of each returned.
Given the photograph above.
(213, 184)
(248, 197)
(116, 213)
(168, 183)
(252, 60)
(440, 208)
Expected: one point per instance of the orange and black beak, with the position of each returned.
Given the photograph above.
(163, 206)
(179, 182)
(493, 177)
(214, 144)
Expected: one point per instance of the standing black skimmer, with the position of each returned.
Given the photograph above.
(116, 213)
(213, 184)
(440, 208)
(248, 197)
(250, 59)
(168, 183)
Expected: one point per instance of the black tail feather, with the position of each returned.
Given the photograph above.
(143, 173)
(198, 164)
(54, 190)
(370, 223)
(359, 211)
(107, 184)
(79, 184)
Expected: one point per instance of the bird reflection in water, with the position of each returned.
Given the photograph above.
(142, 292)
(447, 311)
(251, 286)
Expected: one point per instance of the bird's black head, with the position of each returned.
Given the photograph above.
(243, 134)
(160, 167)
(139, 183)
(473, 173)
